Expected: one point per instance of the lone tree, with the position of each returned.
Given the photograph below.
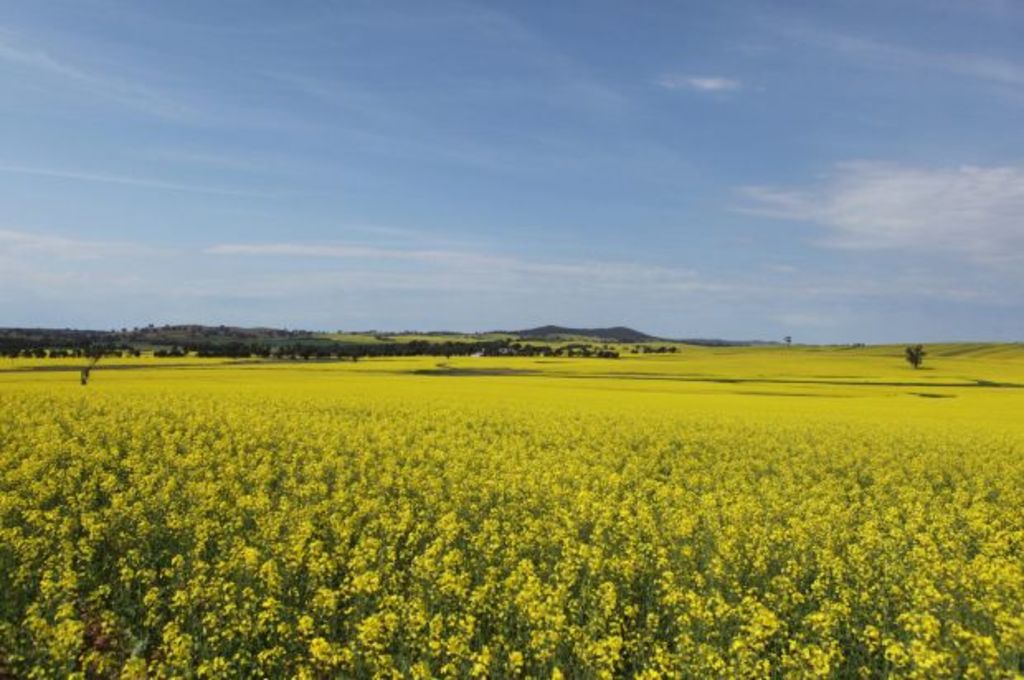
(914, 355)
(94, 358)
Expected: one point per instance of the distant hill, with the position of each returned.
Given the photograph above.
(621, 334)
(613, 334)
(199, 336)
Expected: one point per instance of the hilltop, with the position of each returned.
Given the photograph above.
(612, 334)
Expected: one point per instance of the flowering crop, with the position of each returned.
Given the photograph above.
(351, 523)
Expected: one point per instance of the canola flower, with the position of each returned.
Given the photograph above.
(166, 531)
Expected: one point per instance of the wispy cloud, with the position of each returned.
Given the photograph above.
(17, 243)
(435, 269)
(235, 162)
(366, 266)
(591, 282)
(336, 251)
(331, 284)
(482, 267)
(809, 319)
(970, 211)
(142, 182)
(92, 82)
(699, 83)
(969, 65)
(870, 52)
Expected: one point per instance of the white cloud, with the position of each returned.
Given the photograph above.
(969, 211)
(700, 83)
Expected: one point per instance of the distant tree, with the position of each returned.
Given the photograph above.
(914, 355)
(788, 339)
(94, 356)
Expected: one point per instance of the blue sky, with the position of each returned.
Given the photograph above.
(838, 172)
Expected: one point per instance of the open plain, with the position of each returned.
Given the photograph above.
(742, 512)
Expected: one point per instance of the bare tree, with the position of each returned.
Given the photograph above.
(94, 359)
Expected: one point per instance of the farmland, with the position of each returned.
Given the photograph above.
(716, 512)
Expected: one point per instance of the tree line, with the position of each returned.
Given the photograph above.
(312, 351)
(15, 352)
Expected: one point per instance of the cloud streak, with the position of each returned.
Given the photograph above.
(16, 244)
(113, 88)
(968, 211)
(699, 83)
(483, 266)
(870, 52)
(330, 284)
(124, 180)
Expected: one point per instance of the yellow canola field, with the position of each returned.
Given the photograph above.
(716, 513)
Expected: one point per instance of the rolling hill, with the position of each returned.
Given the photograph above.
(612, 334)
